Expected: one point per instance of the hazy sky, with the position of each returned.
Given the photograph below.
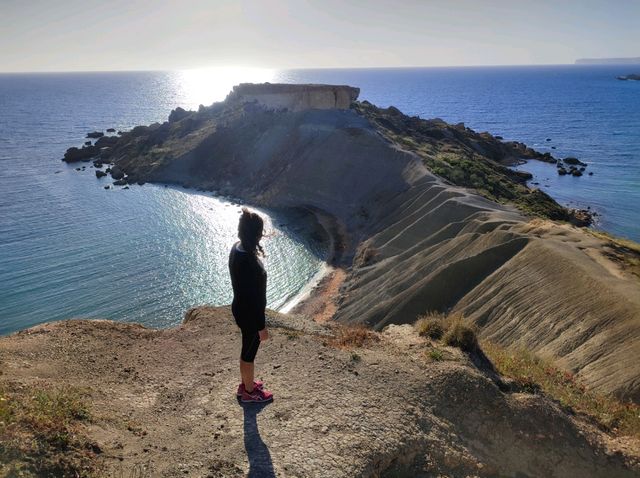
(81, 35)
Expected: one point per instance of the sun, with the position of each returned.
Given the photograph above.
(207, 85)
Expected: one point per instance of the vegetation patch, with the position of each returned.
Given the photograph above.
(350, 336)
(431, 325)
(469, 159)
(624, 252)
(461, 334)
(453, 330)
(533, 374)
(40, 432)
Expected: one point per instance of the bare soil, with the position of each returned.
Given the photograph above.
(163, 403)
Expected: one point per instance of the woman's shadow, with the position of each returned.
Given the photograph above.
(260, 464)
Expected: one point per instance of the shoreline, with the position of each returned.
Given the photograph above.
(318, 300)
(319, 289)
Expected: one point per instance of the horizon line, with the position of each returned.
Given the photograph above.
(166, 70)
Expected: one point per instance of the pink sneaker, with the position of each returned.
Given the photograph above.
(256, 384)
(258, 395)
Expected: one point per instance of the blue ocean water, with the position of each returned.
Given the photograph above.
(69, 248)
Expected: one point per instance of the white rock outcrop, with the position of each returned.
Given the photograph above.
(279, 96)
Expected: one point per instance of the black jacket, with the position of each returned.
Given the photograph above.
(249, 281)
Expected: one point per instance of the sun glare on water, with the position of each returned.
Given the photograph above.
(207, 85)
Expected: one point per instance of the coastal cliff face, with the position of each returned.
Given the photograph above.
(412, 241)
(295, 97)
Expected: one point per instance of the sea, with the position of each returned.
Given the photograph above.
(71, 249)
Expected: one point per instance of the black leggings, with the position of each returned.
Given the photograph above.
(250, 344)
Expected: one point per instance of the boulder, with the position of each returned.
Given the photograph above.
(117, 173)
(562, 171)
(178, 114)
(576, 172)
(499, 138)
(95, 134)
(85, 153)
(393, 111)
(106, 141)
(108, 186)
(87, 143)
(111, 130)
(120, 182)
(105, 152)
(100, 174)
(574, 161)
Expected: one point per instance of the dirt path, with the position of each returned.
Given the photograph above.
(163, 402)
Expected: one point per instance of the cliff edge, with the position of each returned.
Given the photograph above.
(347, 404)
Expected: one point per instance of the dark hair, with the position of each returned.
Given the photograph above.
(250, 230)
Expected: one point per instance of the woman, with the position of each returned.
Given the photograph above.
(249, 281)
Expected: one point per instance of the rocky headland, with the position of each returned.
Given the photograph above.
(426, 217)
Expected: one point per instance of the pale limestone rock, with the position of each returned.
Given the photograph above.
(290, 97)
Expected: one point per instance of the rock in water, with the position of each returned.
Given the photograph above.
(95, 134)
(111, 130)
(574, 161)
(100, 174)
(117, 173)
(85, 153)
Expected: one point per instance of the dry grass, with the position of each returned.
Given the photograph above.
(623, 251)
(532, 374)
(40, 433)
(350, 336)
(453, 330)
(431, 325)
(460, 333)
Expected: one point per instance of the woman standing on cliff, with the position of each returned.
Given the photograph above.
(249, 281)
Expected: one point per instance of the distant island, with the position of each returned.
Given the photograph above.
(632, 77)
(608, 61)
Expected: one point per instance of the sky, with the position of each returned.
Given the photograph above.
(92, 35)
